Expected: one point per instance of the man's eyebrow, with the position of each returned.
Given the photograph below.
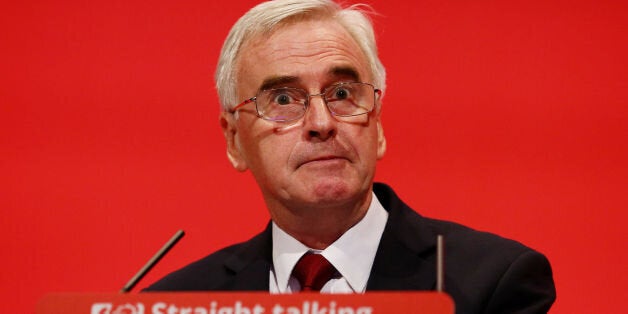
(277, 81)
(346, 71)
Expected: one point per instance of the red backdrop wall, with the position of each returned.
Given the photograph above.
(508, 116)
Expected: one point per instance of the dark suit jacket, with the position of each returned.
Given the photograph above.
(484, 273)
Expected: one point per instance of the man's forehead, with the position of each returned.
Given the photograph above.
(297, 54)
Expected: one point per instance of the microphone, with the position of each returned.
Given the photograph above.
(440, 263)
(153, 261)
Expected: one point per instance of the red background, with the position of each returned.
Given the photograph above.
(508, 116)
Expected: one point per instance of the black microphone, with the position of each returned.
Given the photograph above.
(153, 261)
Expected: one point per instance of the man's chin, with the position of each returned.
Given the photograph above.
(332, 192)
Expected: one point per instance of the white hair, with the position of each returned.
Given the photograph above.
(267, 16)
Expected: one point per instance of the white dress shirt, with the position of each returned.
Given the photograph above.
(352, 254)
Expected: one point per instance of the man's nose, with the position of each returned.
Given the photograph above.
(319, 123)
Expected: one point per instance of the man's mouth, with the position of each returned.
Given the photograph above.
(323, 160)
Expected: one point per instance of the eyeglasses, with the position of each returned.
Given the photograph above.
(288, 104)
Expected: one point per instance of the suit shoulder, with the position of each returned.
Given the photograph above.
(470, 237)
(488, 250)
(213, 271)
(461, 240)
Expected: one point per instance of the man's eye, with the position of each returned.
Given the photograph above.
(283, 99)
(341, 93)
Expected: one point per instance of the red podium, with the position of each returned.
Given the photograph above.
(246, 303)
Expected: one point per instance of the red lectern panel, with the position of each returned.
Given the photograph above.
(247, 303)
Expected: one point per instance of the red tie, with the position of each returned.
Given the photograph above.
(313, 271)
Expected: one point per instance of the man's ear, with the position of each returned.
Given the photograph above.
(230, 130)
(381, 140)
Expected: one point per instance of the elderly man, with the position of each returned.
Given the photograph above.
(301, 85)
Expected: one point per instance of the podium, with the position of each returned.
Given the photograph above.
(246, 303)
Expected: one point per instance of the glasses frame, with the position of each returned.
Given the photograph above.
(376, 94)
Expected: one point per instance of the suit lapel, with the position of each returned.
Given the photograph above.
(250, 265)
(405, 258)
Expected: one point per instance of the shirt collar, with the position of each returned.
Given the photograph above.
(352, 254)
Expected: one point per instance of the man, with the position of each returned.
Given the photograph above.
(301, 87)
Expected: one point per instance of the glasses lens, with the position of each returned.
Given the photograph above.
(281, 104)
(350, 99)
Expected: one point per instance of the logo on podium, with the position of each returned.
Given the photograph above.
(109, 308)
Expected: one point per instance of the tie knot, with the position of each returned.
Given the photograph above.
(313, 271)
